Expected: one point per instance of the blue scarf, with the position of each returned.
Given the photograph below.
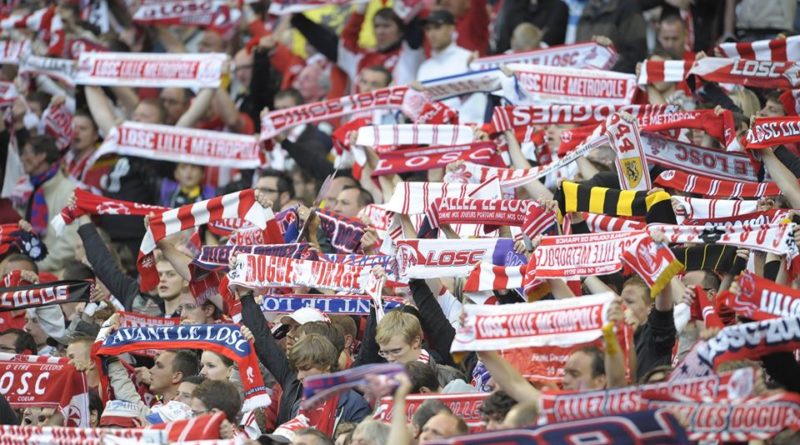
(37, 205)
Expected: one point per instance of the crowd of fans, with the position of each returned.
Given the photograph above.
(315, 184)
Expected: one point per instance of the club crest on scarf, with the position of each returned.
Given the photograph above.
(633, 171)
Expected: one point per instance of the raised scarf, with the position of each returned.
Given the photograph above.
(150, 69)
(715, 188)
(779, 49)
(428, 158)
(414, 134)
(321, 387)
(62, 70)
(14, 238)
(631, 161)
(338, 304)
(763, 299)
(190, 145)
(675, 155)
(261, 271)
(486, 276)
(216, 258)
(702, 208)
(709, 257)
(775, 238)
(87, 203)
(136, 320)
(543, 323)
(183, 12)
(37, 212)
(492, 213)
(44, 294)
(536, 84)
(656, 71)
(768, 132)
(484, 81)
(46, 382)
(604, 223)
(579, 55)
(411, 198)
(343, 233)
(435, 258)
(56, 121)
(45, 22)
(11, 51)
(284, 7)
(464, 405)
(750, 73)
(652, 261)
(573, 197)
(223, 339)
(402, 98)
(233, 205)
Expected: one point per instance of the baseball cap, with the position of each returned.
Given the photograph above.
(439, 17)
(305, 315)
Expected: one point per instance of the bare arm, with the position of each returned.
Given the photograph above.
(227, 110)
(509, 379)
(101, 110)
(398, 432)
(197, 109)
(782, 176)
(127, 98)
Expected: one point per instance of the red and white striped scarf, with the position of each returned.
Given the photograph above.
(701, 208)
(11, 51)
(90, 204)
(62, 70)
(767, 132)
(411, 198)
(771, 238)
(150, 69)
(715, 188)
(652, 261)
(543, 323)
(427, 158)
(234, 205)
(192, 146)
(472, 173)
(414, 134)
(56, 121)
(486, 276)
(579, 55)
(261, 271)
(435, 258)
(46, 22)
(523, 116)
(655, 71)
(605, 223)
(403, 98)
(750, 73)
(536, 84)
(780, 49)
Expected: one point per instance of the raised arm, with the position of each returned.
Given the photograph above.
(509, 379)
(782, 176)
(101, 109)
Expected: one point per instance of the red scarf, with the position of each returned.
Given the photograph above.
(750, 73)
(652, 261)
(57, 122)
(763, 299)
(523, 116)
(90, 204)
(771, 131)
(715, 188)
(428, 158)
(781, 49)
(492, 213)
(536, 84)
(464, 405)
(46, 22)
(655, 71)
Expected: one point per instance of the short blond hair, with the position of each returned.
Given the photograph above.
(400, 323)
(314, 350)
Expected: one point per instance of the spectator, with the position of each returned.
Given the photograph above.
(550, 16)
(620, 21)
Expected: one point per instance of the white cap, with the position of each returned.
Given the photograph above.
(306, 315)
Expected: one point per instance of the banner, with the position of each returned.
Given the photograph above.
(464, 405)
(160, 70)
(189, 145)
(508, 117)
(62, 70)
(63, 435)
(217, 258)
(656, 71)
(412, 198)
(536, 84)
(136, 320)
(485, 81)
(772, 238)
(261, 271)
(543, 323)
(321, 387)
(45, 382)
(285, 7)
(44, 294)
(579, 55)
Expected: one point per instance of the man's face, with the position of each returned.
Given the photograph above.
(772, 109)
(78, 353)
(146, 114)
(8, 342)
(191, 312)
(268, 185)
(211, 42)
(198, 407)
(33, 327)
(672, 37)
(243, 67)
(84, 135)
(185, 390)
(174, 102)
(32, 163)
(633, 296)
(336, 187)
(578, 373)
(370, 80)
(347, 203)
(170, 284)
(440, 426)
(439, 35)
(189, 175)
(161, 374)
(398, 350)
(386, 32)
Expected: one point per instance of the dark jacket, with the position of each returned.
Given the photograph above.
(622, 22)
(550, 16)
(654, 341)
(310, 153)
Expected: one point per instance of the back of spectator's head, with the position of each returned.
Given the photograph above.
(218, 395)
(311, 436)
(442, 425)
(423, 377)
(17, 261)
(46, 145)
(186, 362)
(494, 409)
(346, 327)
(371, 432)
(314, 351)
(522, 415)
(75, 270)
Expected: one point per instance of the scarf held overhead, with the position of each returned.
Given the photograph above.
(260, 271)
(536, 84)
(44, 294)
(87, 203)
(579, 55)
(150, 69)
(715, 188)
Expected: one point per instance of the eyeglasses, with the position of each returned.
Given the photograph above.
(391, 352)
(187, 307)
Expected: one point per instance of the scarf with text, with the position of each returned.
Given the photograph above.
(233, 205)
(472, 173)
(136, 320)
(411, 198)
(45, 22)
(216, 258)
(409, 101)
(183, 12)
(631, 162)
(62, 70)
(413, 134)
(566, 406)
(225, 340)
(715, 188)
(434, 258)
(343, 233)
(772, 238)
(11, 51)
(150, 69)
(464, 405)
(484, 81)
(781, 49)
(44, 294)
(14, 238)
(56, 121)
(327, 304)
(543, 323)
(260, 271)
(87, 203)
(284, 7)
(531, 216)
(754, 418)
(579, 55)
(574, 197)
(702, 308)
(750, 73)
(652, 261)
(753, 219)
(191, 146)
(77, 45)
(676, 155)
(568, 256)
(428, 158)
(321, 387)
(763, 299)
(702, 208)
(543, 84)
(768, 132)
(46, 382)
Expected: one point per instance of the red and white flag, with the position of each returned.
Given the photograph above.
(56, 121)
(150, 69)
(579, 55)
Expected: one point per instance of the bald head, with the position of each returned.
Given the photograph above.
(526, 37)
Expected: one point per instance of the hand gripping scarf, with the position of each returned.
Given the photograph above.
(46, 382)
(715, 188)
(780, 49)
(87, 203)
(44, 294)
(233, 205)
(150, 69)
(543, 323)
(536, 84)
(579, 55)
(771, 131)
(652, 261)
(763, 299)
(655, 207)
(223, 339)
(403, 98)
